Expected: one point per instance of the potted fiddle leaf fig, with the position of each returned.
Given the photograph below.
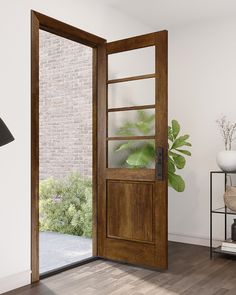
(176, 153)
(142, 154)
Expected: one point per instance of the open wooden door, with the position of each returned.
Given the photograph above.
(132, 150)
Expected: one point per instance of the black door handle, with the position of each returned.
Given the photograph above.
(159, 163)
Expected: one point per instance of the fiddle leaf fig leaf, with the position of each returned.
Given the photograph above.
(180, 141)
(172, 154)
(143, 127)
(127, 129)
(145, 117)
(185, 152)
(123, 146)
(175, 128)
(142, 157)
(171, 166)
(179, 161)
(176, 182)
(170, 136)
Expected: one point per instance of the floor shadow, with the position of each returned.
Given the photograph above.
(35, 289)
(191, 272)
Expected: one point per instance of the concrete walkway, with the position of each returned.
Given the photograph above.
(57, 250)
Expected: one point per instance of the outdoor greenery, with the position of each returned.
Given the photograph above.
(142, 155)
(66, 205)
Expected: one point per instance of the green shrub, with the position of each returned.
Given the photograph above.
(65, 205)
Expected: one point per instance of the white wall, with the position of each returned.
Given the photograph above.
(15, 110)
(202, 86)
(202, 72)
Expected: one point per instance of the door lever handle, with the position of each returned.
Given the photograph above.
(159, 163)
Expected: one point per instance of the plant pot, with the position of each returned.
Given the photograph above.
(226, 161)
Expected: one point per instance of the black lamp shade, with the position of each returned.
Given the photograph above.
(5, 134)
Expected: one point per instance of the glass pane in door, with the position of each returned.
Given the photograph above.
(131, 93)
(131, 63)
(131, 123)
(131, 132)
(131, 154)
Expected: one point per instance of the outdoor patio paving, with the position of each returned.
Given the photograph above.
(57, 250)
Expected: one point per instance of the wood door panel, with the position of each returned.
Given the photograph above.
(132, 203)
(130, 210)
(131, 252)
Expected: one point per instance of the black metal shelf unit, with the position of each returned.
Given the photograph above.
(223, 210)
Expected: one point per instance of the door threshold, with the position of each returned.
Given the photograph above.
(67, 267)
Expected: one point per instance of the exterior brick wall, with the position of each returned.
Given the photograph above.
(65, 107)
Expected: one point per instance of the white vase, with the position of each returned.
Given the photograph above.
(226, 160)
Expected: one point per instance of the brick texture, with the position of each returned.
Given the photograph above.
(65, 107)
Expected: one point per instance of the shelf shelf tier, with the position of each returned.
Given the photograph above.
(223, 210)
(222, 172)
(219, 251)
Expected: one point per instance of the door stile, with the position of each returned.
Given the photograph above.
(102, 152)
(161, 186)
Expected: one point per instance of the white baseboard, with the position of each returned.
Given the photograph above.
(202, 241)
(15, 281)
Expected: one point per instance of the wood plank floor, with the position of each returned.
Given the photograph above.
(191, 272)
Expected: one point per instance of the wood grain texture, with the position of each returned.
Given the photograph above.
(130, 210)
(133, 78)
(190, 272)
(111, 198)
(101, 148)
(131, 43)
(64, 30)
(133, 108)
(161, 200)
(130, 174)
(138, 137)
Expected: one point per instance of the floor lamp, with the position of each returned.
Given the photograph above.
(5, 134)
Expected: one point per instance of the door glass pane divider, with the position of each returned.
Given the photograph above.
(131, 93)
(142, 107)
(131, 137)
(126, 79)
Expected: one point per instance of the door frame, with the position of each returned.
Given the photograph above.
(43, 22)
